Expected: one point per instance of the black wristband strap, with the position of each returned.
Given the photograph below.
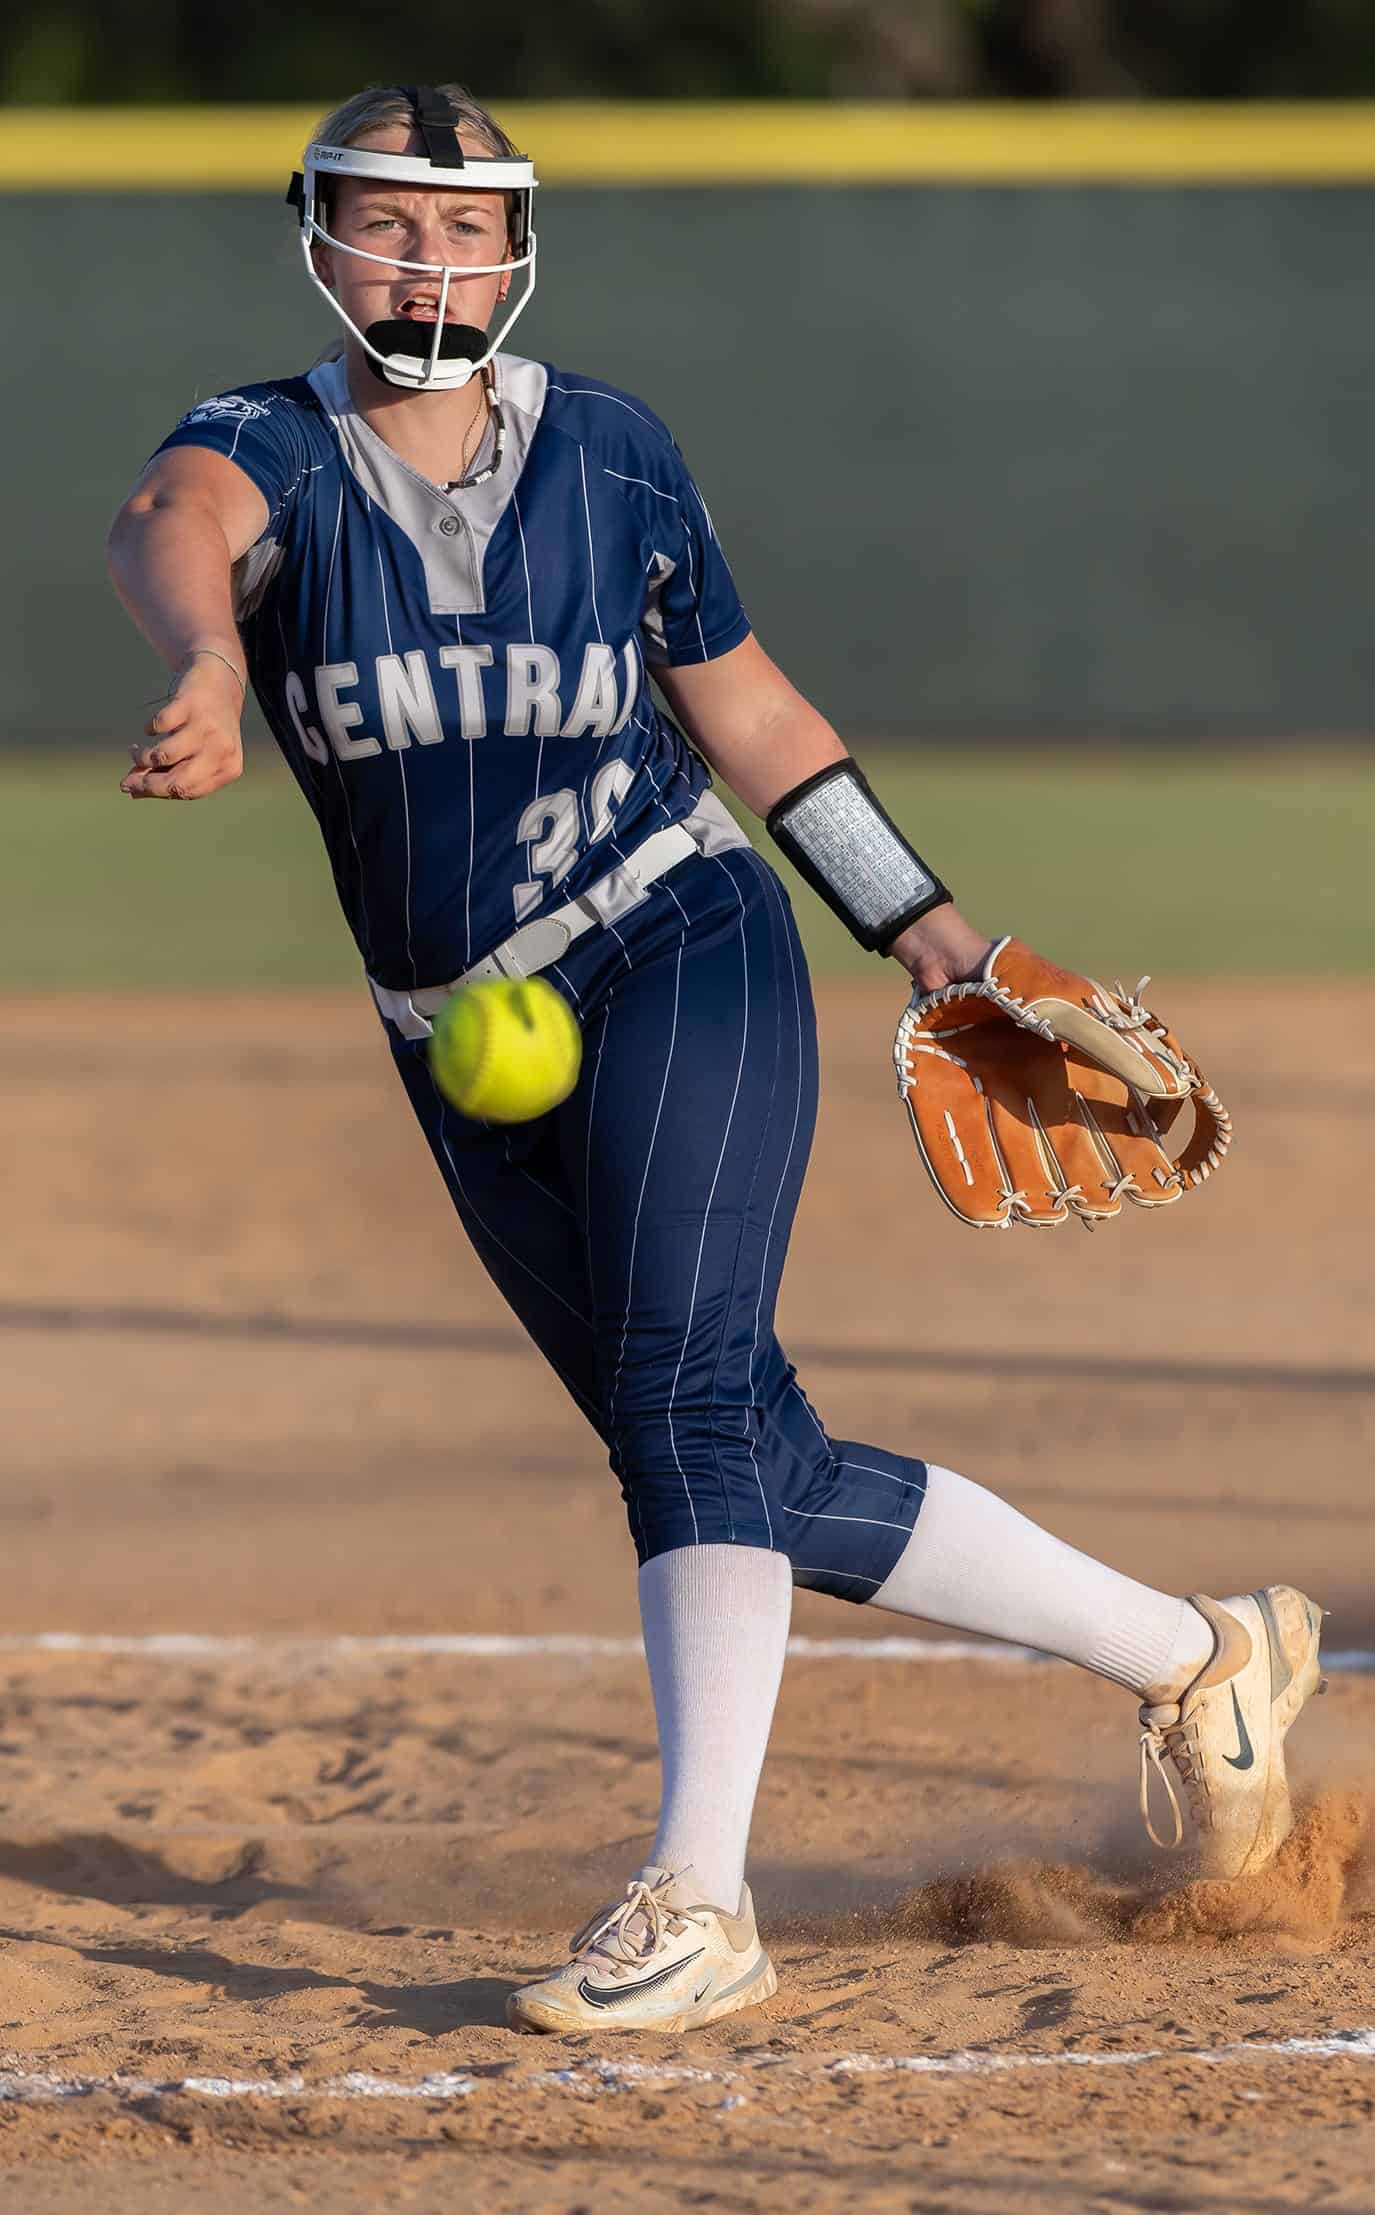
(851, 852)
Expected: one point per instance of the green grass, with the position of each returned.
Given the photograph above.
(1198, 862)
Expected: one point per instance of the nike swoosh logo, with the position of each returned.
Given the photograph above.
(616, 1995)
(1245, 1755)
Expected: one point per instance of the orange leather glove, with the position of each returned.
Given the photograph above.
(1035, 1095)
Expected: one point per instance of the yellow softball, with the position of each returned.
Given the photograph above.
(507, 1051)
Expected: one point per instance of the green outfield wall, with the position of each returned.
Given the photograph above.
(1080, 446)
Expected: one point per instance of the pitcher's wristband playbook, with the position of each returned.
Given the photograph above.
(849, 849)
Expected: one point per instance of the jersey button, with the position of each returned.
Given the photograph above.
(449, 525)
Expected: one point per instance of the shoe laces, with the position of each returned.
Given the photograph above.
(1162, 1741)
(612, 1935)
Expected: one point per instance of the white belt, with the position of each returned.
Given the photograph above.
(535, 945)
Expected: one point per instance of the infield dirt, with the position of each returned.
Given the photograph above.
(256, 1384)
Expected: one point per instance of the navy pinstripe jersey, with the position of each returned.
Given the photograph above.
(458, 680)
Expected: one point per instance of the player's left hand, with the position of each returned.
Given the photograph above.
(941, 948)
(1035, 1094)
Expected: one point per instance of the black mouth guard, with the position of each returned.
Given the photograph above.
(415, 339)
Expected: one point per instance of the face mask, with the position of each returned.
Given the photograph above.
(457, 351)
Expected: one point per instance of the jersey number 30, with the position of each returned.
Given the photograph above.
(552, 829)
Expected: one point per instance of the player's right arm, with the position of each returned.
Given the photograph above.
(171, 552)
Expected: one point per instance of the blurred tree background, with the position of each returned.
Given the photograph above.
(76, 51)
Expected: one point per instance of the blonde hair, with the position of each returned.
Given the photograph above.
(376, 108)
(380, 105)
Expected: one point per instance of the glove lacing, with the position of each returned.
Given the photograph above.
(1128, 1012)
(1126, 1185)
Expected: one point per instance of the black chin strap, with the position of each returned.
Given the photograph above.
(437, 125)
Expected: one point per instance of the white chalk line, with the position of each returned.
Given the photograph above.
(501, 1646)
(591, 2078)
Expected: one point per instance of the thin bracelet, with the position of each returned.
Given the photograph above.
(243, 681)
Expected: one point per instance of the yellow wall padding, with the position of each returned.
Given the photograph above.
(251, 149)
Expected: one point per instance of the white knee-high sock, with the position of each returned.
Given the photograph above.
(974, 1563)
(716, 1632)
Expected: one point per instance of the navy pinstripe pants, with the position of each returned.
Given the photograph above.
(639, 1231)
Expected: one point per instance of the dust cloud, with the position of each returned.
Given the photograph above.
(1322, 1878)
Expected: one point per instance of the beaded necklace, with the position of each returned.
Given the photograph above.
(480, 476)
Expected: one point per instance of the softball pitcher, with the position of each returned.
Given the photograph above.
(450, 575)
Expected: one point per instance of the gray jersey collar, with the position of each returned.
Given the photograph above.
(449, 530)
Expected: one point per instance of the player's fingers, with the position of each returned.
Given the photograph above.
(183, 748)
(180, 745)
(153, 784)
(186, 767)
(168, 716)
(187, 780)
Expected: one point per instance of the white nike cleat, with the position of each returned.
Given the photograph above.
(659, 1961)
(1225, 1734)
